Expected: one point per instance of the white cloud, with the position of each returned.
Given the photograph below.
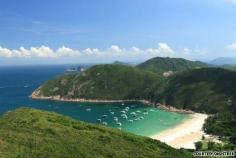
(92, 52)
(115, 48)
(4, 52)
(162, 50)
(42, 52)
(112, 53)
(67, 52)
(232, 46)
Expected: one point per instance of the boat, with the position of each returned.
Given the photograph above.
(133, 113)
(119, 123)
(88, 109)
(116, 119)
(104, 123)
(123, 111)
(145, 113)
(104, 116)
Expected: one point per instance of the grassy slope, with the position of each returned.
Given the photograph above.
(29, 133)
(160, 65)
(104, 82)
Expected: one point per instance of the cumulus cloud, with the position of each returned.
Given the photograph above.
(115, 48)
(113, 52)
(4, 52)
(163, 49)
(67, 52)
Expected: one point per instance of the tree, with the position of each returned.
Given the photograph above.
(198, 145)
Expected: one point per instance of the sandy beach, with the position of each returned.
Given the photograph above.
(185, 134)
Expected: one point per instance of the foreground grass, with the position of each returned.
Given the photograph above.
(30, 133)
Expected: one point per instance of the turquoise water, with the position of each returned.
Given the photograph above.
(17, 83)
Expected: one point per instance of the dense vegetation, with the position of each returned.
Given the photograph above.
(160, 65)
(29, 133)
(104, 82)
(204, 90)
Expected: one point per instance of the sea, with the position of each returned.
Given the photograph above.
(18, 82)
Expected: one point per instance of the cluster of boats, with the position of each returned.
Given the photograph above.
(124, 113)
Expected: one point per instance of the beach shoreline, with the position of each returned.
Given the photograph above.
(184, 135)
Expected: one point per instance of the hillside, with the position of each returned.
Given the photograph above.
(28, 133)
(204, 90)
(113, 82)
(160, 65)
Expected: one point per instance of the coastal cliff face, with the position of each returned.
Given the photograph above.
(30, 133)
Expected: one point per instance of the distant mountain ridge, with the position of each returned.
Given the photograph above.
(161, 65)
(224, 61)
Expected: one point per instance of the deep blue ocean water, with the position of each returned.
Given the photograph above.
(17, 83)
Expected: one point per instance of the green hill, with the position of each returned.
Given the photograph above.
(29, 133)
(160, 65)
(204, 90)
(103, 82)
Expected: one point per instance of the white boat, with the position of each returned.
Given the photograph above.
(88, 109)
(133, 113)
(104, 123)
(112, 112)
(116, 119)
(145, 113)
(104, 116)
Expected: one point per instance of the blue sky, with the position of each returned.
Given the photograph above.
(71, 31)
